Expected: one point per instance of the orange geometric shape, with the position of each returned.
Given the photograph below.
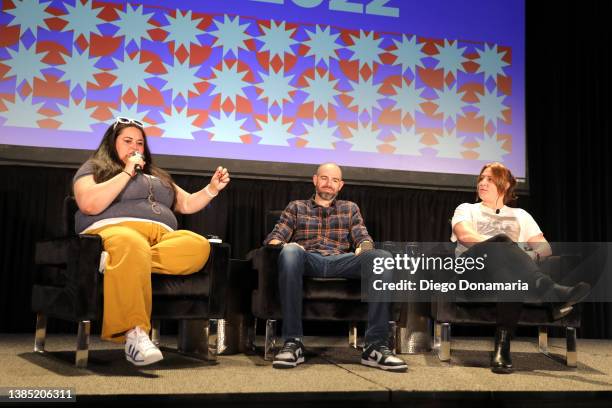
(390, 117)
(154, 131)
(181, 53)
(228, 105)
(201, 87)
(348, 102)
(408, 120)
(53, 52)
(156, 65)
(48, 112)
(433, 78)
(129, 97)
(264, 59)
(56, 23)
(199, 54)
(104, 80)
(250, 45)
(470, 123)
(300, 143)
(469, 155)
(507, 113)
(82, 42)
(389, 84)
(48, 124)
(431, 46)
(350, 69)
(504, 84)
(429, 135)
(470, 67)
(276, 63)
(158, 34)
(507, 55)
(26, 90)
(243, 105)
(507, 145)
(50, 87)
(366, 72)
(430, 109)
(108, 12)
(306, 110)
(320, 113)
(387, 58)
(471, 91)
(150, 96)
(449, 79)
(348, 35)
(8, 35)
(290, 61)
(386, 149)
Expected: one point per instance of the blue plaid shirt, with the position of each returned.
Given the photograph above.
(327, 230)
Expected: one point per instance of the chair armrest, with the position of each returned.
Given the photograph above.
(80, 257)
(265, 261)
(558, 267)
(217, 269)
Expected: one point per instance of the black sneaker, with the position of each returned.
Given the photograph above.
(383, 358)
(290, 355)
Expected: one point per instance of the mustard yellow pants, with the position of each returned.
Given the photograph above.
(135, 250)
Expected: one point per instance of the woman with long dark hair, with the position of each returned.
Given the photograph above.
(513, 244)
(123, 197)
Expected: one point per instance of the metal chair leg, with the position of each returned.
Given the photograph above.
(82, 352)
(251, 331)
(571, 353)
(437, 335)
(543, 339)
(198, 338)
(210, 339)
(40, 334)
(445, 342)
(352, 335)
(393, 336)
(270, 341)
(155, 335)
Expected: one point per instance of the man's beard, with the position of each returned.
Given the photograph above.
(326, 196)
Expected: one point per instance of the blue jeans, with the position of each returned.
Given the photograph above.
(294, 263)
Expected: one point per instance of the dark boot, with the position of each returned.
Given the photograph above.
(501, 362)
(569, 295)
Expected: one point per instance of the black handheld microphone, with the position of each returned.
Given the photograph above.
(137, 167)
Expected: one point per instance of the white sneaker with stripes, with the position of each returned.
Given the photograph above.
(139, 349)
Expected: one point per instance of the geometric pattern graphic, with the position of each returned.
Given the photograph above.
(70, 65)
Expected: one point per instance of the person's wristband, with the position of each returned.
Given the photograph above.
(127, 173)
(208, 193)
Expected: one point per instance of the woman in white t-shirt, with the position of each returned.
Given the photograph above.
(513, 244)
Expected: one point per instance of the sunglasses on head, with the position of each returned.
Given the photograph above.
(127, 121)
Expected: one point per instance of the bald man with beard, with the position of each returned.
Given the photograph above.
(318, 236)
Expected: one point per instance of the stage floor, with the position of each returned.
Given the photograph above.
(331, 373)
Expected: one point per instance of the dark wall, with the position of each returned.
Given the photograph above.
(568, 128)
(569, 115)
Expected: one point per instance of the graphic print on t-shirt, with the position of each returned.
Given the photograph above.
(493, 224)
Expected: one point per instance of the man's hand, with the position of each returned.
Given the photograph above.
(364, 247)
(275, 242)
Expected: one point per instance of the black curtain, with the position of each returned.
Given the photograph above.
(568, 130)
